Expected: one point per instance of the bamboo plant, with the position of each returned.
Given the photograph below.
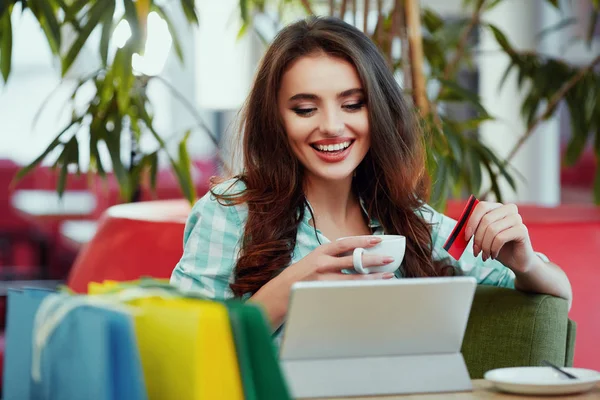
(434, 51)
(120, 106)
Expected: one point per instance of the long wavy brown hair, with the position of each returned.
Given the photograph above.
(391, 180)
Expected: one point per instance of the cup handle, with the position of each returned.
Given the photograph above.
(357, 261)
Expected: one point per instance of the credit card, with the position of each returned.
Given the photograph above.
(456, 243)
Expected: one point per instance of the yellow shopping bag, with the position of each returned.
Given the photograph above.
(187, 349)
(109, 286)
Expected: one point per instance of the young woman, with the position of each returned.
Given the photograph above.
(332, 149)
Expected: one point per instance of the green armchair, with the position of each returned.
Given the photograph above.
(508, 328)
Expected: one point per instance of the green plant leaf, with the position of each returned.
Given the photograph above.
(554, 3)
(593, 21)
(70, 155)
(3, 7)
(107, 30)
(493, 180)
(55, 143)
(432, 20)
(557, 27)
(574, 148)
(435, 55)
(244, 10)
(172, 30)
(450, 88)
(242, 30)
(153, 162)
(95, 14)
(123, 73)
(501, 39)
(73, 9)
(95, 159)
(131, 15)
(113, 142)
(500, 164)
(5, 44)
(190, 11)
(473, 167)
(183, 170)
(49, 24)
(440, 183)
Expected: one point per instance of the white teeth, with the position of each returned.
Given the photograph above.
(333, 147)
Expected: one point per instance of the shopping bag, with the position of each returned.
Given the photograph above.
(85, 349)
(187, 350)
(22, 306)
(261, 375)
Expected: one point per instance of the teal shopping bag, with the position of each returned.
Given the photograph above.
(90, 353)
(22, 306)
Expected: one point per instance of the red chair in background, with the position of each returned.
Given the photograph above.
(570, 236)
(132, 241)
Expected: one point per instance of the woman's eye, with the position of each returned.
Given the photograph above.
(354, 106)
(303, 112)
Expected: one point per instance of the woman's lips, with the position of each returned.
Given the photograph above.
(334, 156)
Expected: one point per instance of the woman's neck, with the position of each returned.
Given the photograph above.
(331, 200)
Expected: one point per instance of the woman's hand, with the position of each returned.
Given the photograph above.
(500, 234)
(326, 262)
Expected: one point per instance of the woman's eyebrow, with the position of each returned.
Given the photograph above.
(310, 96)
(350, 92)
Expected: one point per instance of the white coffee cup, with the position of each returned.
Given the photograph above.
(390, 246)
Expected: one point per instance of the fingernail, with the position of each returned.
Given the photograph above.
(476, 250)
(484, 257)
(388, 275)
(387, 260)
(375, 240)
(468, 233)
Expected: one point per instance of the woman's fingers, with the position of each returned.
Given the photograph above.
(336, 264)
(339, 247)
(493, 230)
(492, 212)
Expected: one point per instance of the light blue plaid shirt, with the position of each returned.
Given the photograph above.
(212, 242)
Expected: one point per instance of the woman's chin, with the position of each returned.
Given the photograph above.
(334, 174)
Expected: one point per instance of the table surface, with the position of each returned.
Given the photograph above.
(482, 389)
(47, 203)
(79, 232)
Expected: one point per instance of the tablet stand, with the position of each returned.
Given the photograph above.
(345, 377)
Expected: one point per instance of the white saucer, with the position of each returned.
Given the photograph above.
(542, 380)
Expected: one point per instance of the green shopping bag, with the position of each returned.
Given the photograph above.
(260, 372)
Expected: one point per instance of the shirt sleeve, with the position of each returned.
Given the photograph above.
(211, 242)
(490, 272)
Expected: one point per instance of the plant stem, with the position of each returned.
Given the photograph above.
(413, 23)
(307, 7)
(366, 17)
(552, 103)
(464, 38)
(404, 46)
(343, 9)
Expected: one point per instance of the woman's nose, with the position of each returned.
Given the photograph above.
(332, 123)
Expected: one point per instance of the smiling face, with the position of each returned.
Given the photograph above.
(322, 105)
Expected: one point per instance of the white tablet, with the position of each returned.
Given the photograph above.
(416, 325)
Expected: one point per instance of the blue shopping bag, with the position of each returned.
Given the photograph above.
(21, 308)
(90, 353)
